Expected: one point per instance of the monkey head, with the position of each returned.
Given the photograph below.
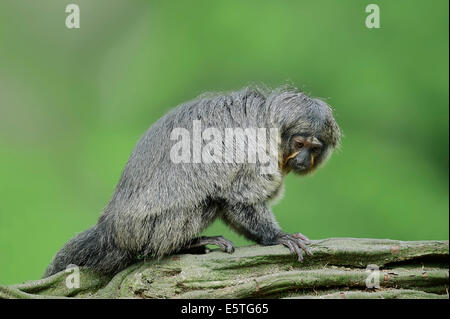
(309, 133)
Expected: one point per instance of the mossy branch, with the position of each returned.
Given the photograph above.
(337, 269)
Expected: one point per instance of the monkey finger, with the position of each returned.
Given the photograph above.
(289, 245)
(292, 247)
(302, 237)
(302, 245)
(298, 252)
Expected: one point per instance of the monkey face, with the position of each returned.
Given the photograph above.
(305, 153)
(309, 132)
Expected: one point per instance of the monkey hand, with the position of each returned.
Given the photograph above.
(294, 242)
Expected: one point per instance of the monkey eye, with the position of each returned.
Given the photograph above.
(315, 149)
(299, 144)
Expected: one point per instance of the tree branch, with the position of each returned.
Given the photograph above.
(337, 269)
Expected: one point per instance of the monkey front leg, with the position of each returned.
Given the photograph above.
(257, 223)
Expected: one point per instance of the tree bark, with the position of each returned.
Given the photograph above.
(339, 268)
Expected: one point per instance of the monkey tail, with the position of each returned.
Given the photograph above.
(92, 248)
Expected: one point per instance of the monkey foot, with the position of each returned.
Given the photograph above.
(223, 243)
(294, 242)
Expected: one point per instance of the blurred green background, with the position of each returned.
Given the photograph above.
(73, 103)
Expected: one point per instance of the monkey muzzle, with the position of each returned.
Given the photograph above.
(301, 162)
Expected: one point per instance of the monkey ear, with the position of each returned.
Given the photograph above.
(332, 132)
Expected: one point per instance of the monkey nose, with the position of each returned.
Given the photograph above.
(302, 165)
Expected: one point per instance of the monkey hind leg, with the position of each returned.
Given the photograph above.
(198, 245)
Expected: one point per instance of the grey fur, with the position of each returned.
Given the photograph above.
(159, 207)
